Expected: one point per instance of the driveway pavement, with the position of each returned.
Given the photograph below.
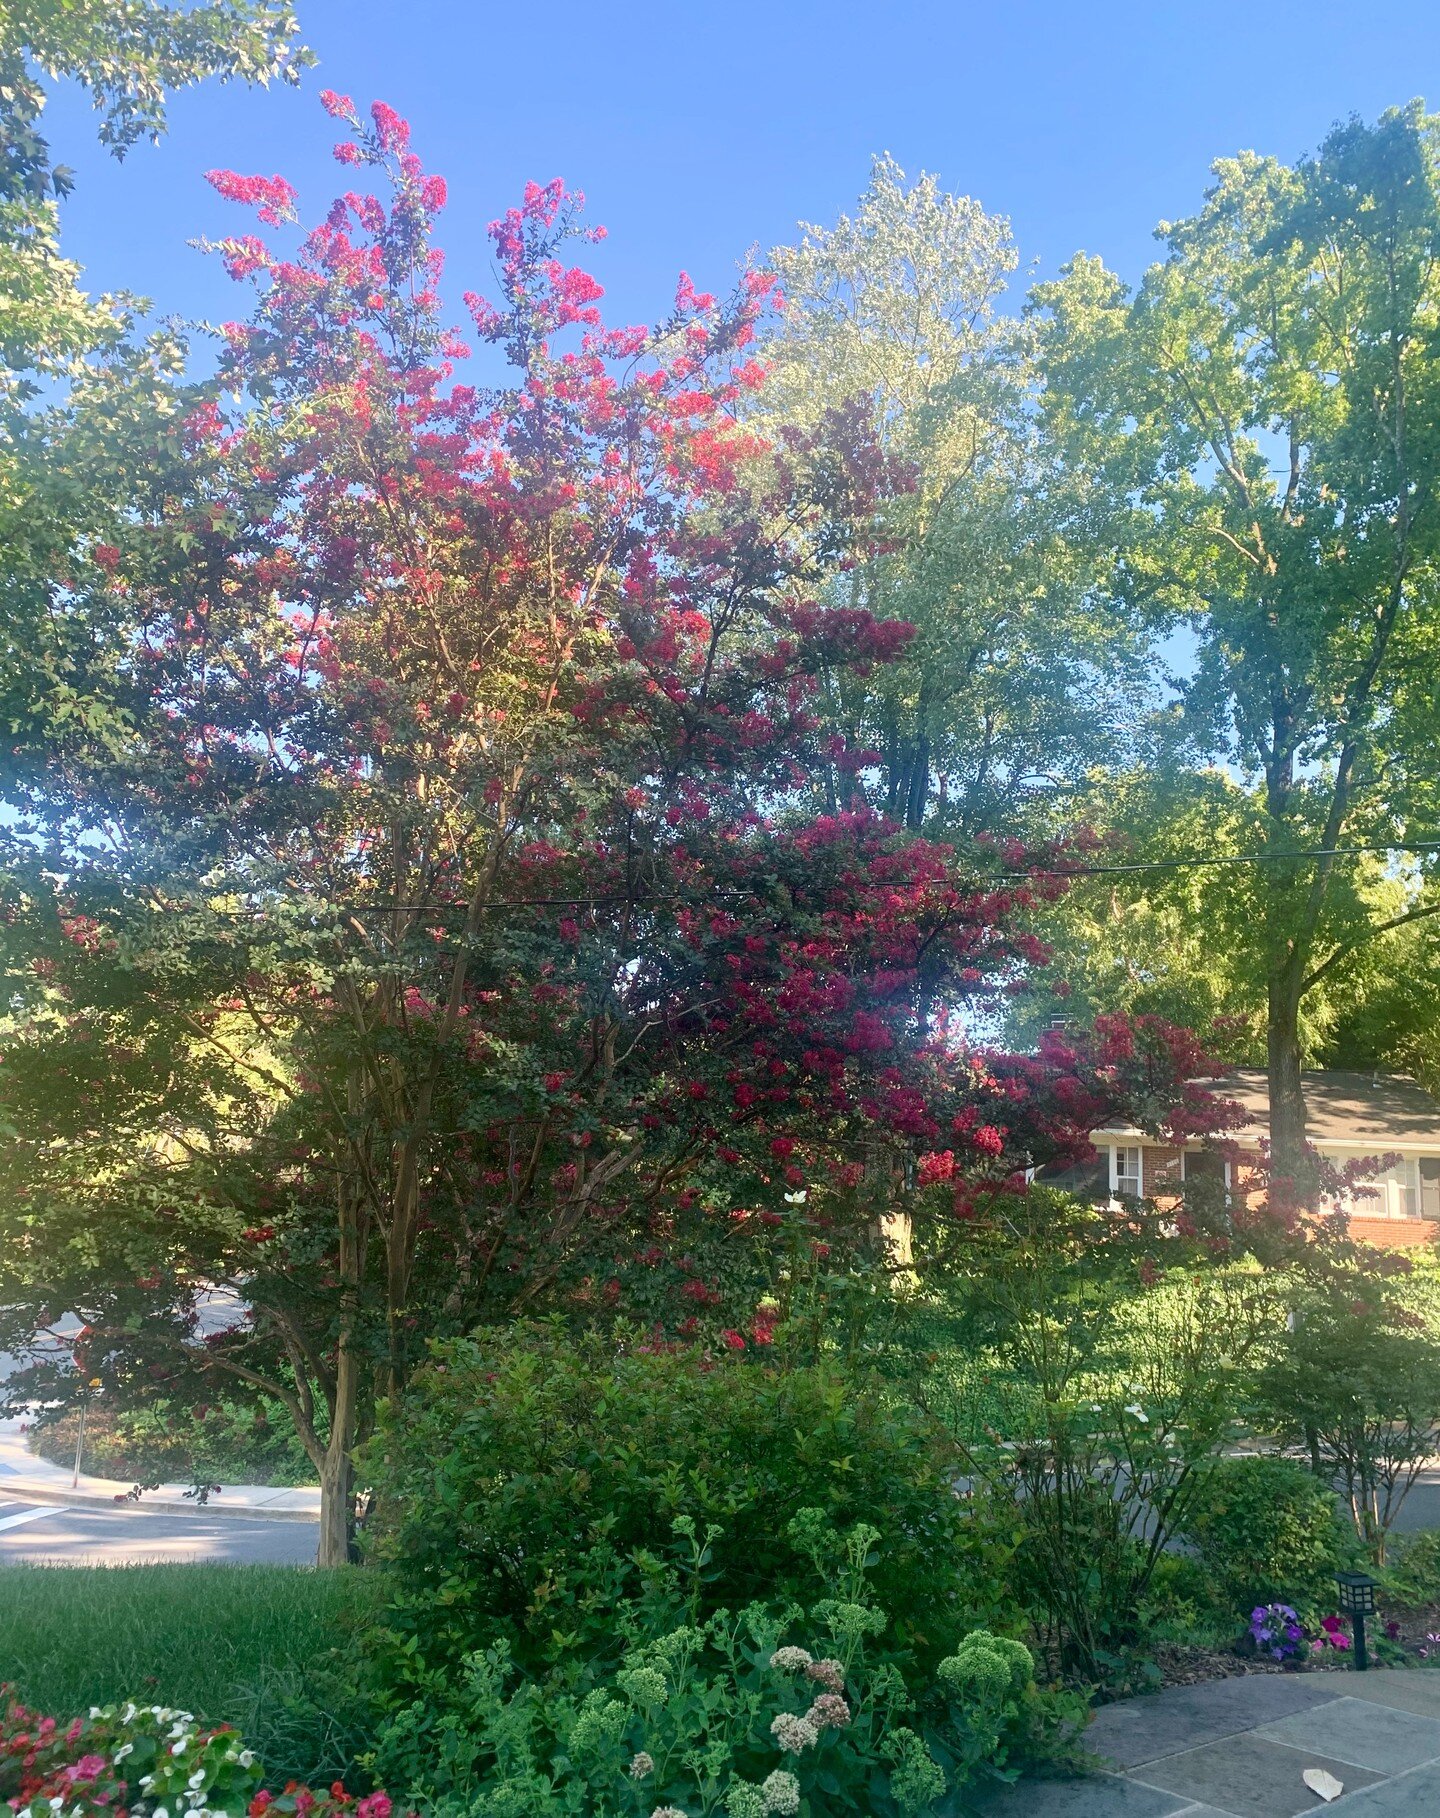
(1239, 1748)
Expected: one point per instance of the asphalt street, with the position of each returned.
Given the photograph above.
(32, 1534)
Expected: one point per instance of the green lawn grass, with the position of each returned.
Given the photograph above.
(270, 1649)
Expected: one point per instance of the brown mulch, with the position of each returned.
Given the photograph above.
(1416, 1631)
(1194, 1665)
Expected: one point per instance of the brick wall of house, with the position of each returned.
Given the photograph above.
(1392, 1233)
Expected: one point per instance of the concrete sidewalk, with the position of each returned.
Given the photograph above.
(1238, 1748)
(25, 1477)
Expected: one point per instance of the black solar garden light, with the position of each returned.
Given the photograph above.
(1357, 1601)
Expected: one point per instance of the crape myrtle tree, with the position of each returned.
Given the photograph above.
(1264, 415)
(453, 936)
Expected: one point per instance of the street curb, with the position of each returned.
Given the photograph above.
(21, 1490)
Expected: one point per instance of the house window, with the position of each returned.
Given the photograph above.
(1126, 1175)
(1205, 1164)
(1393, 1192)
(1207, 1180)
(1400, 1183)
(1087, 1180)
(1430, 1186)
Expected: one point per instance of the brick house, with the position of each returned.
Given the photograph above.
(1350, 1116)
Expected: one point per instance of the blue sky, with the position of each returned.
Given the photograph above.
(698, 130)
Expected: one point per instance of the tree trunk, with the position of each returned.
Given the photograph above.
(337, 1473)
(336, 1504)
(337, 1469)
(918, 793)
(1288, 1154)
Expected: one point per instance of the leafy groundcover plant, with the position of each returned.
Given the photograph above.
(775, 1709)
(148, 1761)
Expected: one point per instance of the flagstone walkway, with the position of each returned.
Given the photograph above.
(1236, 1748)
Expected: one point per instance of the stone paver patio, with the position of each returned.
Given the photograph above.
(1236, 1748)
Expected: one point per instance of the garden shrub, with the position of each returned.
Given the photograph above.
(528, 1482)
(773, 1710)
(212, 1442)
(1267, 1529)
(1412, 1572)
(1104, 1392)
(1356, 1377)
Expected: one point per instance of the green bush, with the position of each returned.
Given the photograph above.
(1412, 1572)
(732, 1713)
(528, 1483)
(1357, 1378)
(1267, 1530)
(215, 1442)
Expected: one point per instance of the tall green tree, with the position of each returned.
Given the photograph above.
(129, 54)
(1013, 689)
(90, 408)
(1174, 938)
(1263, 415)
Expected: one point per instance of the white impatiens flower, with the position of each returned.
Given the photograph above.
(126, 1748)
(796, 1199)
(197, 1778)
(246, 1758)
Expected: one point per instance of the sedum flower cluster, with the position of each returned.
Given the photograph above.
(725, 1714)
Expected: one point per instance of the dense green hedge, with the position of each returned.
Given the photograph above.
(1266, 1529)
(528, 1482)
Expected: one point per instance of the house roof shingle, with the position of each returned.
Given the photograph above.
(1388, 1109)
